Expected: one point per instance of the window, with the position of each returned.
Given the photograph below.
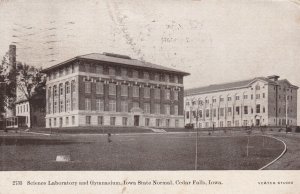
(214, 112)
(200, 114)
(146, 92)
(100, 120)
(124, 106)
(228, 123)
(157, 122)
(99, 88)
(61, 89)
(146, 75)
(61, 72)
(156, 77)
(147, 122)
(112, 89)
(214, 100)
(111, 71)
(221, 123)
(124, 72)
(99, 69)
(67, 87)
(135, 74)
(88, 120)
(257, 87)
(206, 101)
(167, 78)
(237, 123)
(54, 107)
(135, 91)
(222, 112)
(207, 112)
(157, 93)
(175, 93)
(257, 96)
(49, 92)
(167, 94)
(147, 108)
(124, 90)
(87, 67)
(112, 105)
(245, 122)
(67, 121)
(175, 109)
(124, 121)
(99, 105)
(251, 96)
(73, 68)
(88, 104)
(61, 106)
(258, 108)
(228, 98)
(221, 99)
(245, 96)
(87, 86)
(237, 97)
(229, 111)
(264, 109)
(73, 120)
(167, 122)
(245, 110)
(113, 121)
(167, 109)
(135, 105)
(157, 109)
(264, 95)
(54, 122)
(237, 110)
(187, 114)
(175, 79)
(50, 124)
(68, 107)
(73, 86)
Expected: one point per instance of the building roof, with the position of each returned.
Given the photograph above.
(118, 59)
(230, 85)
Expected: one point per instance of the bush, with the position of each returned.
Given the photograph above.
(288, 129)
(189, 126)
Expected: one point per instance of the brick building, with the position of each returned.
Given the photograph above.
(110, 89)
(258, 101)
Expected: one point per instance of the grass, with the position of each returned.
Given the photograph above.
(136, 152)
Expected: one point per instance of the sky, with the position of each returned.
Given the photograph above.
(215, 41)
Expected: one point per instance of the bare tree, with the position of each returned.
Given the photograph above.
(30, 83)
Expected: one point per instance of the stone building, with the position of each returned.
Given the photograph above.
(113, 90)
(258, 101)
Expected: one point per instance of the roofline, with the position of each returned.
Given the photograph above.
(82, 57)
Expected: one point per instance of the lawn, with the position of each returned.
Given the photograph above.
(136, 152)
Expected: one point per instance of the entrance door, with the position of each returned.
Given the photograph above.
(136, 120)
(60, 122)
(257, 122)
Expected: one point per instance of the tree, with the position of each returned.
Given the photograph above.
(31, 85)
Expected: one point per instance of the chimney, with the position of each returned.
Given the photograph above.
(12, 55)
(273, 77)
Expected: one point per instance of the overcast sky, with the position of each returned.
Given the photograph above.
(215, 41)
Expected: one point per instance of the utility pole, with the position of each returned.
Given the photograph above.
(197, 127)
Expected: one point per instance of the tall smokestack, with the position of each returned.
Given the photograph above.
(12, 63)
(12, 56)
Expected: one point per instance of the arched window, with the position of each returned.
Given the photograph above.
(67, 85)
(73, 86)
(61, 89)
(55, 90)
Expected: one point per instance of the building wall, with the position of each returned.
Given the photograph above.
(259, 92)
(38, 114)
(85, 72)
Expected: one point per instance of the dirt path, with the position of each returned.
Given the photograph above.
(291, 159)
